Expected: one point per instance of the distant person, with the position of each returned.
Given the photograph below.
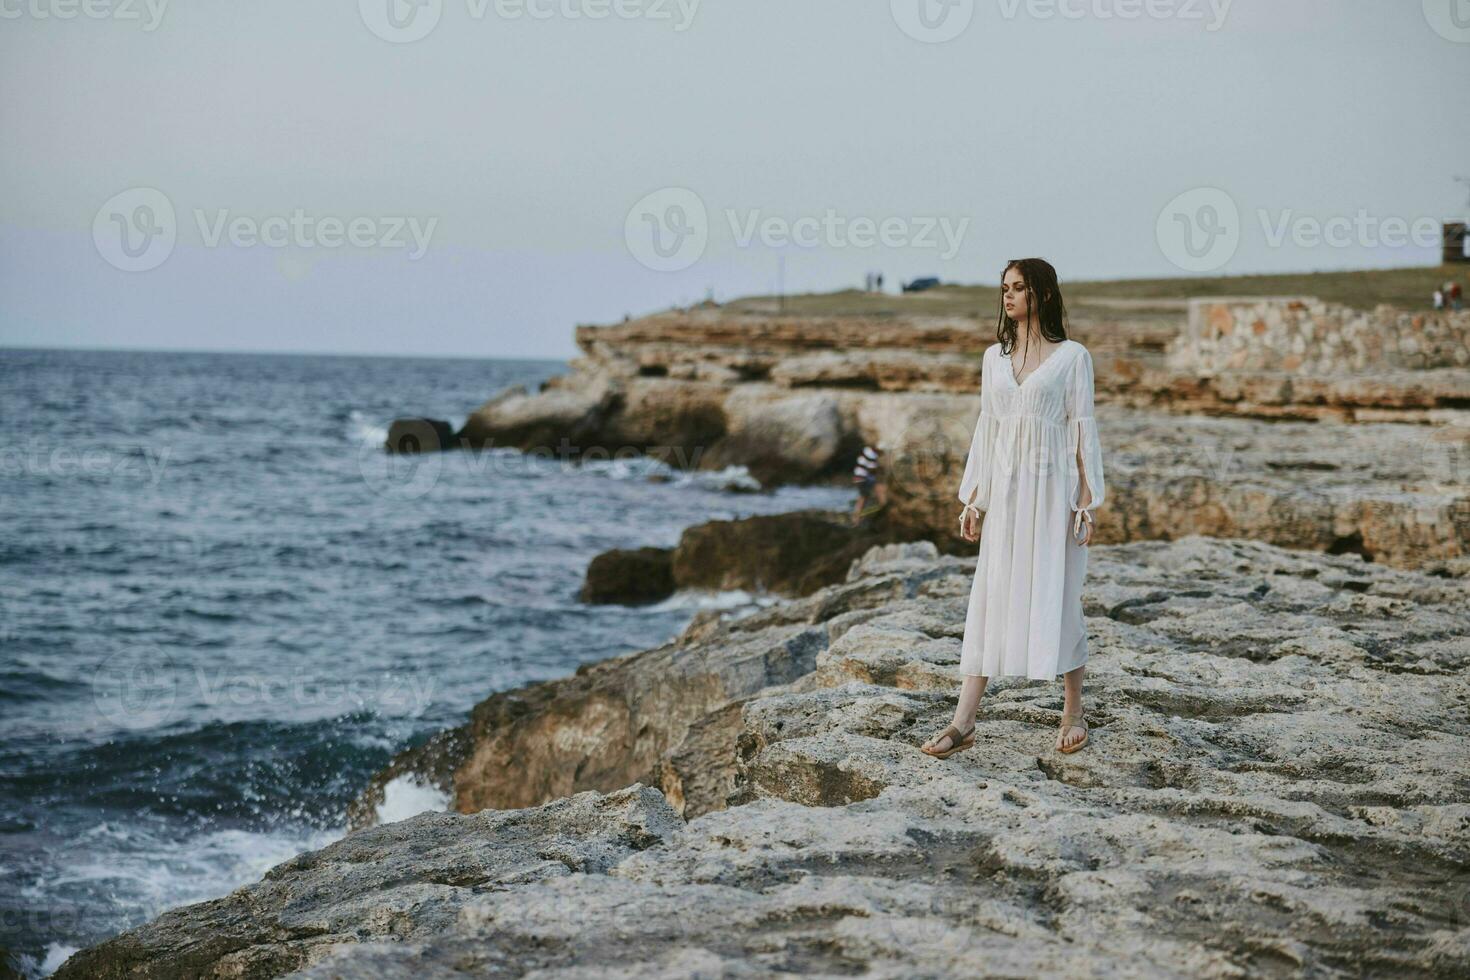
(1439, 299)
(1455, 299)
(870, 488)
(880, 282)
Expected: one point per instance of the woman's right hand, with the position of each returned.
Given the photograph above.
(970, 524)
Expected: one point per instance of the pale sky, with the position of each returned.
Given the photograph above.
(517, 146)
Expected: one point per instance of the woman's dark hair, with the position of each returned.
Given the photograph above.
(1044, 302)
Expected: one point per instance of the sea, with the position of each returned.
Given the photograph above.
(223, 607)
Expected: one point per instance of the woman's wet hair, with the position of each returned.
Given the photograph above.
(1045, 303)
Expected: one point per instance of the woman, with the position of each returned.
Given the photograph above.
(1035, 468)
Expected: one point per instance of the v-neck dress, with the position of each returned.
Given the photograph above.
(1025, 612)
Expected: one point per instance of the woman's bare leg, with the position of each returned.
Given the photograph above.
(1072, 705)
(964, 712)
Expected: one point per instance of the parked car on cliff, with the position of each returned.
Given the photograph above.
(919, 285)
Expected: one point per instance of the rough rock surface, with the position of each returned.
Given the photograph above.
(1275, 785)
(401, 881)
(1394, 493)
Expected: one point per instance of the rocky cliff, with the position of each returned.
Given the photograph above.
(1275, 784)
(1331, 447)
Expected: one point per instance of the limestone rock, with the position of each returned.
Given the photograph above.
(541, 421)
(1275, 783)
(790, 438)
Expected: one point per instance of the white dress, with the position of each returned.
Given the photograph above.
(1025, 613)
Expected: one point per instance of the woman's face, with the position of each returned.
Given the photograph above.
(1013, 295)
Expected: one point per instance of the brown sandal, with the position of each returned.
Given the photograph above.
(1073, 721)
(957, 742)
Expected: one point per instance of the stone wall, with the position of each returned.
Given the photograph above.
(1309, 336)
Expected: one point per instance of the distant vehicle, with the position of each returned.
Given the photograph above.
(919, 285)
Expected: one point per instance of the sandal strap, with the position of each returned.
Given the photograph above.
(955, 736)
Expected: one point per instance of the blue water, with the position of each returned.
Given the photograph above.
(224, 607)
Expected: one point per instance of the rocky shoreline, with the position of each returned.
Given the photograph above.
(1279, 686)
(1276, 783)
(1353, 443)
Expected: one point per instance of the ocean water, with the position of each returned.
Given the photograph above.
(223, 607)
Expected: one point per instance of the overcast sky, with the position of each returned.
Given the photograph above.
(253, 176)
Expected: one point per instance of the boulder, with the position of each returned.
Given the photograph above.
(783, 438)
(419, 436)
(558, 419)
(629, 576)
(791, 554)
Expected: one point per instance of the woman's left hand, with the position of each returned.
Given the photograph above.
(1086, 532)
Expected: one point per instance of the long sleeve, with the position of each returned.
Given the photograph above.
(975, 484)
(1082, 435)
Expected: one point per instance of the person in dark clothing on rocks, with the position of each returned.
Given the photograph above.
(870, 488)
